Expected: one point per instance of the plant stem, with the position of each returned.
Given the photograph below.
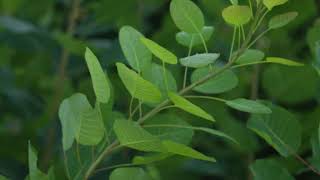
(207, 97)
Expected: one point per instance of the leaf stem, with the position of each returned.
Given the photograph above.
(207, 97)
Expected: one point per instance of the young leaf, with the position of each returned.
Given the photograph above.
(91, 129)
(186, 39)
(99, 80)
(160, 52)
(250, 55)
(199, 60)
(187, 106)
(282, 20)
(187, 16)
(219, 84)
(138, 56)
(132, 135)
(280, 129)
(34, 172)
(237, 15)
(184, 150)
(131, 173)
(266, 169)
(70, 115)
(272, 3)
(283, 61)
(137, 86)
(249, 106)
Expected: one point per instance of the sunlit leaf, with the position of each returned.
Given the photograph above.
(272, 3)
(187, 106)
(194, 39)
(3, 178)
(160, 52)
(234, 2)
(282, 20)
(187, 16)
(137, 86)
(266, 169)
(138, 56)
(221, 83)
(280, 129)
(100, 83)
(249, 106)
(237, 15)
(250, 55)
(130, 173)
(199, 60)
(283, 61)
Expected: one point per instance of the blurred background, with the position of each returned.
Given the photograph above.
(42, 45)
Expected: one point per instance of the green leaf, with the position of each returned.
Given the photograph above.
(132, 135)
(160, 52)
(283, 61)
(70, 115)
(266, 169)
(234, 2)
(91, 128)
(155, 75)
(223, 82)
(250, 56)
(237, 15)
(272, 3)
(187, 16)
(282, 20)
(137, 86)
(280, 129)
(186, 39)
(138, 56)
(249, 106)
(131, 173)
(3, 178)
(148, 159)
(99, 80)
(199, 60)
(187, 106)
(183, 150)
(34, 172)
(179, 135)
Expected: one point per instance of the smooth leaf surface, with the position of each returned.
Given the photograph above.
(237, 15)
(100, 83)
(272, 3)
(130, 173)
(283, 61)
(282, 20)
(137, 55)
(3, 178)
(160, 52)
(199, 60)
(194, 39)
(266, 169)
(34, 172)
(137, 86)
(250, 56)
(148, 159)
(219, 84)
(249, 106)
(187, 16)
(187, 106)
(280, 129)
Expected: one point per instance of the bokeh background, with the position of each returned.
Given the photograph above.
(42, 44)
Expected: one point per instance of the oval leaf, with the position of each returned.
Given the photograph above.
(237, 15)
(250, 56)
(266, 169)
(282, 20)
(283, 61)
(219, 84)
(199, 60)
(99, 80)
(192, 40)
(160, 52)
(187, 106)
(272, 3)
(137, 55)
(249, 106)
(137, 86)
(187, 16)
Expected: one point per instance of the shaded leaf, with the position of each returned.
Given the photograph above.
(250, 55)
(266, 169)
(237, 15)
(3, 178)
(186, 39)
(131, 173)
(282, 20)
(34, 172)
(199, 60)
(160, 52)
(138, 56)
(283, 61)
(187, 16)
(99, 80)
(148, 159)
(187, 106)
(137, 86)
(249, 106)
